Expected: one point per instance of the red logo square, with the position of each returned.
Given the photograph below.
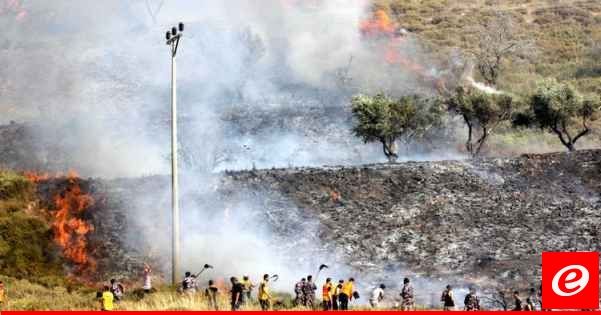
(570, 280)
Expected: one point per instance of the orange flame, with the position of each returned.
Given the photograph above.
(36, 177)
(335, 196)
(220, 284)
(380, 27)
(70, 230)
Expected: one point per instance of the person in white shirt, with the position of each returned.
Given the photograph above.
(147, 278)
(377, 295)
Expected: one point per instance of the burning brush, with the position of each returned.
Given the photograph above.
(70, 230)
(380, 29)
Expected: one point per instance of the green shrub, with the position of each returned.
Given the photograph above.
(14, 186)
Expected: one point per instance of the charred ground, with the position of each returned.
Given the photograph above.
(488, 219)
(481, 222)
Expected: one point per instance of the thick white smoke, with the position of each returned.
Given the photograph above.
(261, 84)
(95, 75)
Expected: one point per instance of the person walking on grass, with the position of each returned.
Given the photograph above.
(237, 294)
(117, 290)
(248, 287)
(326, 294)
(346, 294)
(377, 295)
(147, 279)
(408, 296)
(517, 301)
(532, 302)
(472, 301)
(189, 283)
(336, 295)
(448, 299)
(211, 293)
(264, 295)
(309, 292)
(107, 299)
(299, 298)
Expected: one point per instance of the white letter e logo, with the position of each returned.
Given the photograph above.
(570, 280)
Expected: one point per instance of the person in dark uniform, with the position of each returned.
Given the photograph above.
(517, 301)
(237, 294)
(448, 299)
(472, 301)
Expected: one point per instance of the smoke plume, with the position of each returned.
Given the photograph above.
(259, 86)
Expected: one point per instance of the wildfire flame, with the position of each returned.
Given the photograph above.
(335, 196)
(70, 230)
(221, 285)
(380, 28)
(36, 177)
(377, 26)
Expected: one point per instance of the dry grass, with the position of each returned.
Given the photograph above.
(24, 295)
(163, 301)
(564, 31)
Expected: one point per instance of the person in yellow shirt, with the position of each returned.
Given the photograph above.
(2, 295)
(248, 286)
(346, 294)
(263, 294)
(107, 299)
(326, 295)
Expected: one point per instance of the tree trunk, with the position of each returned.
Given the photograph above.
(390, 149)
(468, 144)
(480, 142)
(571, 147)
(565, 139)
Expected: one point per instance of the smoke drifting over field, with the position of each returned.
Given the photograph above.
(97, 74)
(259, 86)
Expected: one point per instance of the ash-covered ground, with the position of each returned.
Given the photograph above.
(484, 221)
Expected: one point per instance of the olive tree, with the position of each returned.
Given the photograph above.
(482, 113)
(384, 119)
(559, 108)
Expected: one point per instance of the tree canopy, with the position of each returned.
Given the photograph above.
(482, 113)
(560, 109)
(383, 119)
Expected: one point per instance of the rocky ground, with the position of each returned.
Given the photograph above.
(476, 220)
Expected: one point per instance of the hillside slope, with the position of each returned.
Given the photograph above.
(566, 34)
(481, 222)
(468, 220)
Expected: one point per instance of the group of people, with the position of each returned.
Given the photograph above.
(109, 295)
(337, 297)
(471, 302)
(334, 296)
(240, 291)
(533, 301)
(114, 291)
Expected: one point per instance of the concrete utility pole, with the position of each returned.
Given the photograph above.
(173, 38)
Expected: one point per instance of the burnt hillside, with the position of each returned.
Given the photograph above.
(483, 222)
(483, 219)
